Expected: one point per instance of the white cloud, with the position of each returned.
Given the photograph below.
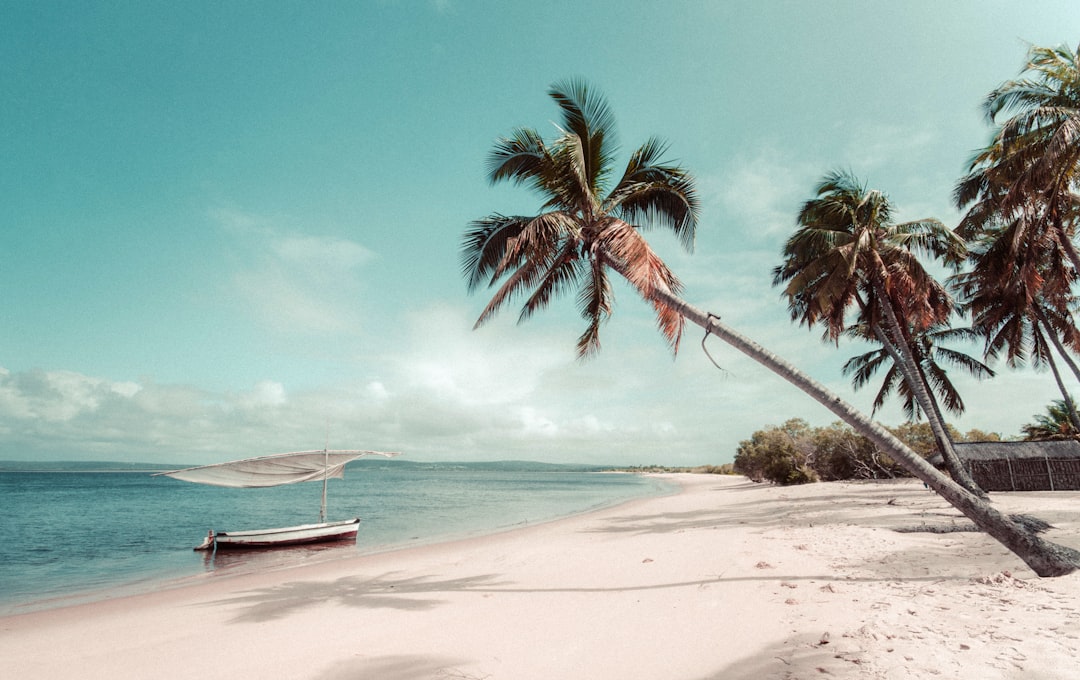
(376, 390)
(535, 423)
(875, 146)
(444, 391)
(267, 393)
(57, 396)
(758, 194)
(330, 254)
(295, 283)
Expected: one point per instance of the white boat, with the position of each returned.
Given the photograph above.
(277, 470)
(323, 532)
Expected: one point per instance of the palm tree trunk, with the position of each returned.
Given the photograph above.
(902, 355)
(1044, 558)
(1070, 407)
(1057, 341)
(933, 401)
(1065, 355)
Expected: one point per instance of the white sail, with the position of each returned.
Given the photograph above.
(283, 468)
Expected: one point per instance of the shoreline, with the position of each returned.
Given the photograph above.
(158, 584)
(725, 579)
(245, 562)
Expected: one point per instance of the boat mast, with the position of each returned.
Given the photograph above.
(326, 464)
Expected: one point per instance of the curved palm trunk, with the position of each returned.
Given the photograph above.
(901, 354)
(1074, 418)
(1070, 407)
(1065, 355)
(883, 339)
(1044, 557)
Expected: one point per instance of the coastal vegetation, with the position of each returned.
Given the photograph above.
(796, 453)
(846, 256)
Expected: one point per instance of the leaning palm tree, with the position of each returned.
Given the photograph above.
(583, 233)
(848, 254)
(931, 357)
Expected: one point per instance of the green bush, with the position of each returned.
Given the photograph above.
(777, 454)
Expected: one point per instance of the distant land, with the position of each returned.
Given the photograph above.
(113, 466)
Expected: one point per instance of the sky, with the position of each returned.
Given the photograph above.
(233, 229)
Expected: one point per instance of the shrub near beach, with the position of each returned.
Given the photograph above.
(795, 453)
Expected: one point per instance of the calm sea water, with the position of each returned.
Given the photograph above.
(68, 537)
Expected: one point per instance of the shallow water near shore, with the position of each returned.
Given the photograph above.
(69, 537)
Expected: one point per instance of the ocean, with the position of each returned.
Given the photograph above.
(75, 536)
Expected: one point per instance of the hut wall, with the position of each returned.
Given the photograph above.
(1031, 474)
(1066, 473)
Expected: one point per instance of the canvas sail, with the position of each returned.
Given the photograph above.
(284, 468)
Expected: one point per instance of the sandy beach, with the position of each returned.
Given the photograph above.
(726, 580)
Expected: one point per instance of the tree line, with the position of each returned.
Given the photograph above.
(796, 453)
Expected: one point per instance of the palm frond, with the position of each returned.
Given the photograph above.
(626, 251)
(656, 194)
(894, 382)
(484, 246)
(586, 115)
(863, 367)
(562, 275)
(967, 363)
(525, 246)
(523, 278)
(594, 302)
(522, 158)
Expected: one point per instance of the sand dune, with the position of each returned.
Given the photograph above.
(726, 580)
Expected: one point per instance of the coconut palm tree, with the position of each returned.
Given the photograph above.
(1020, 300)
(583, 232)
(931, 357)
(848, 254)
(1056, 423)
(1022, 215)
(1028, 171)
(585, 228)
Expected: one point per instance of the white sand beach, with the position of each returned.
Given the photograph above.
(727, 580)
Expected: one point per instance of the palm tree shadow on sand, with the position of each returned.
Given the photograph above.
(277, 602)
(399, 667)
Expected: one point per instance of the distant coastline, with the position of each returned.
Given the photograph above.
(502, 466)
(80, 466)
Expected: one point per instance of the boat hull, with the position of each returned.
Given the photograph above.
(324, 532)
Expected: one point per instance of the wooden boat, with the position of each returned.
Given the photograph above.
(277, 470)
(324, 532)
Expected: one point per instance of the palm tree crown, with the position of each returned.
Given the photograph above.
(1045, 125)
(849, 253)
(1022, 183)
(585, 227)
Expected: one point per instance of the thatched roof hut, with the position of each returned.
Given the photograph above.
(1021, 466)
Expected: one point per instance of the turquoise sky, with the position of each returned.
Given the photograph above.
(230, 228)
